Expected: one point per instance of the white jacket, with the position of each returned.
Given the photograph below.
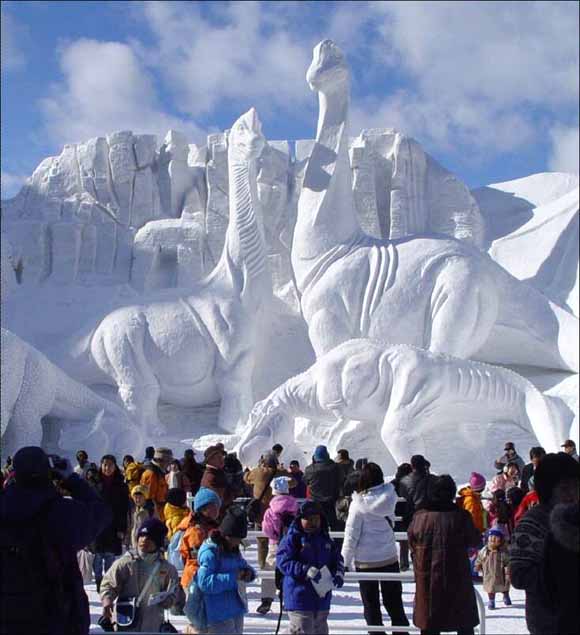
(368, 537)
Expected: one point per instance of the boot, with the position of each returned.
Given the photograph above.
(491, 604)
(98, 583)
(265, 607)
(506, 599)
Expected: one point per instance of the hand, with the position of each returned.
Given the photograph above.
(338, 581)
(313, 574)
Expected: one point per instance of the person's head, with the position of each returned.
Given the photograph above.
(139, 495)
(343, 456)
(215, 456)
(234, 526)
(189, 455)
(207, 503)
(537, 453)
(176, 497)
(269, 460)
(127, 460)
(163, 457)
(109, 465)
(477, 482)
(310, 516)
(151, 536)
(92, 474)
(370, 475)
(420, 464)
(511, 470)
(294, 467)
(31, 467)
(441, 490)
(360, 463)
(510, 450)
(557, 479)
(149, 452)
(175, 466)
(495, 539)
(514, 496)
(320, 454)
(403, 470)
(499, 496)
(569, 446)
(82, 458)
(277, 449)
(280, 486)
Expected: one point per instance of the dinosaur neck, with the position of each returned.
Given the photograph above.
(326, 209)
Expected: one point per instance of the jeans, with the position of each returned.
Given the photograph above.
(233, 626)
(308, 622)
(102, 563)
(392, 592)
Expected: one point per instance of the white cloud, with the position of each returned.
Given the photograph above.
(12, 55)
(565, 149)
(105, 88)
(11, 183)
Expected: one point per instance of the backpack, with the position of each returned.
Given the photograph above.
(33, 595)
(173, 553)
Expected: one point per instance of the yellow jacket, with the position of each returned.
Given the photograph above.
(471, 502)
(173, 516)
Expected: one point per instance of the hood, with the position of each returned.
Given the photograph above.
(564, 522)
(466, 491)
(23, 503)
(284, 504)
(296, 527)
(378, 501)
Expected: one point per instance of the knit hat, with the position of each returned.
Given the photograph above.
(140, 489)
(496, 531)
(154, 529)
(320, 454)
(176, 496)
(310, 508)
(205, 496)
(235, 522)
(31, 465)
(552, 469)
(420, 463)
(163, 453)
(477, 482)
(280, 485)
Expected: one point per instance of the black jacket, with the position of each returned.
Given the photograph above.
(323, 480)
(116, 496)
(415, 488)
(527, 473)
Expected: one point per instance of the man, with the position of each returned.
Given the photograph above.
(83, 463)
(570, 448)
(345, 467)
(510, 456)
(40, 535)
(536, 455)
(215, 477)
(414, 487)
(278, 449)
(149, 454)
(322, 478)
(153, 478)
(299, 490)
(130, 574)
(557, 480)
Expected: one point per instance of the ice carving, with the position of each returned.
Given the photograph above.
(33, 388)
(406, 396)
(436, 293)
(192, 347)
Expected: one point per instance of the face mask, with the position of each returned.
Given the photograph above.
(148, 557)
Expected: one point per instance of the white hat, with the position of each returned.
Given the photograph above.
(280, 485)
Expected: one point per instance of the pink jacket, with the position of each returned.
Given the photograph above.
(272, 523)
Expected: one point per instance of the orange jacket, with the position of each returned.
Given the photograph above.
(154, 479)
(192, 540)
(471, 502)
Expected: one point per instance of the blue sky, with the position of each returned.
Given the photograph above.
(489, 88)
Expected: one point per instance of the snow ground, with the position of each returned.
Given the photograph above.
(346, 611)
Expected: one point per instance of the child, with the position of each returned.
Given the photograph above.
(140, 509)
(470, 500)
(493, 560)
(221, 569)
(304, 550)
(175, 510)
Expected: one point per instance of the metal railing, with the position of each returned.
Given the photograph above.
(252, 535)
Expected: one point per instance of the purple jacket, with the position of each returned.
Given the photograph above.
(273, 521)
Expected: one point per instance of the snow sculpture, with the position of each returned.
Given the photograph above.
(406, 396)
(33, 387)
(436, 293)
(192, 348)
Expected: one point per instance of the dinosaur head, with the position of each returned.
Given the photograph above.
(245, 139)
(328, 70)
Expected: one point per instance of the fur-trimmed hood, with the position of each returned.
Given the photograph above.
(565, 526)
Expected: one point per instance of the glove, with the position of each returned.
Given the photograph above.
(313, 574)
(338, 580)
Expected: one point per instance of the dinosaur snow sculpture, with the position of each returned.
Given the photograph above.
(406, 393)
(33, 387)
(433, 292)
(192, 347)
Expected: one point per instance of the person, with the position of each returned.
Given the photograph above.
(469, 498)
(414, 486)
(345, 467)
(278, 449)
(83, 463)
(570, 448)
(140, 509)
(440, 535)
(322, 479)
(351, 482)
(499, 514)
(510, 456)
(42, 586)
(153, 478)
(370, 546)
(299, 489)
(537, 453)
(109, 543)
(305, 549)
(140, 574)
(175, 510)
(509, 477)
(214, 476)
(176, 478)
(196, 527)
(234, 474)
(493, 561)
(149, 454)
(221, 570)
(192, 469)
(280, 512)
(557, 481)
(402, 512)
(132, 471)
(529, 500)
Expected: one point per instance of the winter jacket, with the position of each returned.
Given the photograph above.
(369, 538)
(133, 473)
(194, 472)
(563, 567)
(297, 552)
(126, 578)
(527, 566)
(115, 494)
(344, 469)
(173, 517)
(216, 480)
(502, 481)
(69, 524)
(494, 564)
(526, 474)
(260, 478)
(195, 533)
(402, 509)
(414, 488)
(154, 479)
(471, 502)
(444, 597)
(504, 460)
(299, 490)
(136, 517)
(217, 578)
(530, 500)
(281, 506)
(323, 481)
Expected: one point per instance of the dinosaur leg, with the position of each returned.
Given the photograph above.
(327, 328)
(235, 388)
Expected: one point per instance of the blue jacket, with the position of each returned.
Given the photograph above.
(297, 552)
(217, 578)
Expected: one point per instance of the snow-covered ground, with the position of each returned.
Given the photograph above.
(346, 615)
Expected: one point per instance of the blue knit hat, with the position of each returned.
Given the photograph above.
(154, 529)
(320, 454)
(205, 496)
(496, 531)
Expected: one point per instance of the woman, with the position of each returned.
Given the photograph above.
(439, 536)
(370, 546)
(176, 479)
(114, 492)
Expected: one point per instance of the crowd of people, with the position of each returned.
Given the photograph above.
(165, 533)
